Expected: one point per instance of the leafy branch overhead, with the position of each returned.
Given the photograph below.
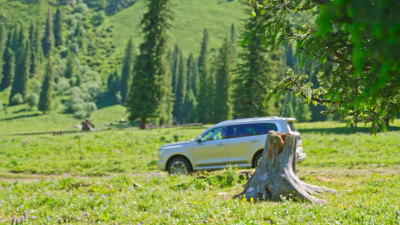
(356, 42)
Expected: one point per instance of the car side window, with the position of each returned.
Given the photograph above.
(215, 134)
(244, 130)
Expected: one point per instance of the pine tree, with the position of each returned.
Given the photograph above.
(167, 102)
(14, 40)
(20, 81)
(288, 105)
(192, 77)
(70, 66)
(223, 83)
(46, 94)
(48, 37)
(204, 95)
(203, 57)
(8, 68)
(127, 66)
(35, 49)
(78, 35)
(150, 68)
(2, 42)
(256, 73)
(189, 106)
(175, 67)
(233, 41)
(113, 83)
(180, 91)
(58, 28)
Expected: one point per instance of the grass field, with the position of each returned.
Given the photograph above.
(110, 176)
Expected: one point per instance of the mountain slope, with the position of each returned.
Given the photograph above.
(191, 17)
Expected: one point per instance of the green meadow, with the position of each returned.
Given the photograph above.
(110, 176)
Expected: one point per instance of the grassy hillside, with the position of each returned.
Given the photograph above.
(191, 17)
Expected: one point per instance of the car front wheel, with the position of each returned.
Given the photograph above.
(179, 166)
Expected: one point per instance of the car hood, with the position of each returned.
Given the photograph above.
(175, 145)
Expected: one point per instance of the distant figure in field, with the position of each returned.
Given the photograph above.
(87, 125)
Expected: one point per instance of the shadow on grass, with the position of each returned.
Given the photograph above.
(343, 130)
(22, 116)
(55, 133)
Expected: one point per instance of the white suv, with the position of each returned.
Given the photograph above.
(237, 142)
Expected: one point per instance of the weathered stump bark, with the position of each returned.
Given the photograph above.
(276, 176)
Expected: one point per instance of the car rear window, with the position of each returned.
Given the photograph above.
(250, 129)
(292, 127)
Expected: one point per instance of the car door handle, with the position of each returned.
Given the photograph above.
(253, 140)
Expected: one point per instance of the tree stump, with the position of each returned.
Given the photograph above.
(87, 125)
(276, 175)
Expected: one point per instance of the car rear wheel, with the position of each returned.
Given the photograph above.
(179, 166)
(257, 160)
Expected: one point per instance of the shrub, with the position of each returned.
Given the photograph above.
(81, 8)
(32, 99)
(17, 99)
(62, 85)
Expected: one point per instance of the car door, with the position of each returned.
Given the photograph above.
(245, 139)
(210, 150)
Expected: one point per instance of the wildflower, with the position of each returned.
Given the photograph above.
(194, 203)
(193, 210)
(244, 199)
(251, 200)
(271, 217)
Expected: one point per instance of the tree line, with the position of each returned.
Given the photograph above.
(158, 83)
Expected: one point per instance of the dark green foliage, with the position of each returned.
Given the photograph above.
(8, 68)
(223, 78)
(180, 91)
(288, 106)
(203, 57)
(192, 75)
(113, 83)
(2, 42)
(358, 38)
(150, 67)
(35, 51)
(206, 84)
(70, 66)
(127, 66)
(13, 37)
(58, 27)
(256, 73)
(189, 113)
(233, 40)
(96, 4)
(32, 99)
(48, 37)
(114, 6)
(97, 19)
(20, 81)
(175, 67)
(79, 35)
(46, 94)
